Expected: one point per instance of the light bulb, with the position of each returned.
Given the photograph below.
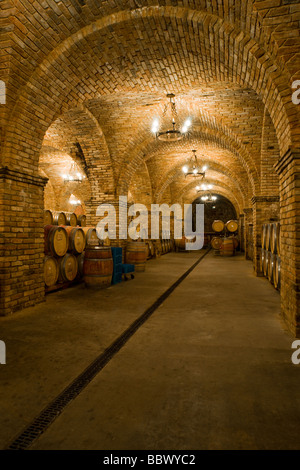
(188, 122)
(155, 126)
(210, 186)
(204, 168)
(195, 171)
(185, 169)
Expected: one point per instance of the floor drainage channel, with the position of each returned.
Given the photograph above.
(55, 408)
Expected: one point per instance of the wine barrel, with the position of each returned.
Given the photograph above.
(216, 243)
(262, 259)
(98, 267)
(235, 241)
(48, 217)
(180, 244)
(136, 254)
(59, 218)
(271, 267)
(157, 248)
(80, 261)
(227, 247)
(50, 271)
(268, 237)
(266, 261)
(71, 219)
(277, 272)
(263, 236)
(76, 239)
(275, 238)
(81, 220)
(68, 268)
(90, 235)
(150, 249)
(218, 226)
(232, 225)
(55, 240)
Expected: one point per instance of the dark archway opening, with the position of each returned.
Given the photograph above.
(221, 209)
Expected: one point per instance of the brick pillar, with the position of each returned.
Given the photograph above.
(21, 240)
(265, 209)
(248, 221)
(288, 169)
(241, 232)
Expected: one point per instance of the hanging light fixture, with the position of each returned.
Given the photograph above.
(74, 201)
(172, 134)
(207, 197)
(192, 168)
(74, 175)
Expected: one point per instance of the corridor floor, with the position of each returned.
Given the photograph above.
(210, 369)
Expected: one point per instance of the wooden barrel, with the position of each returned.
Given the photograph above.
(180, 244)
(268, 237)
(48, 217)
(150, 249)
(76, 239)
(277, 273)
(91, 237)
(266, 261)
(263, 236)
(80, 261)
(98, 267)
(218, 226)
(71, 219)
(262, 259)
(157, 248)
(235, 241)
(55, 240)
(275, 238)
(136, 254)
(227, 247)
(81, 220)
(68, 268)
(216, 242)
(271, 267)
(59, 218)
(232, 225)
(50, 271)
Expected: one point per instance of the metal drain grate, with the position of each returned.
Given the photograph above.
(51, 412)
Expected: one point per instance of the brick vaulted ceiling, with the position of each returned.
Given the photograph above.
(97, 73)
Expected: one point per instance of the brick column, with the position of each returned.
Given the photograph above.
(21, 240)
(288, 169)
(265, 210)
(242, 232)
(248, 221)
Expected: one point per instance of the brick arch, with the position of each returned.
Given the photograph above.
(227, 180)
(217, 168)
(210, 130)
(258, 75)
(222, 191)
(79, 125)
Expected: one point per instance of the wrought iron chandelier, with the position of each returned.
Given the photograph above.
(74, 175)
(172, 134)
(207, 197)
(192, 168)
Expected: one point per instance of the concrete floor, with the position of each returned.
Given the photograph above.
(211, 369)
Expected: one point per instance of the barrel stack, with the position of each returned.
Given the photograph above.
(66, 238)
